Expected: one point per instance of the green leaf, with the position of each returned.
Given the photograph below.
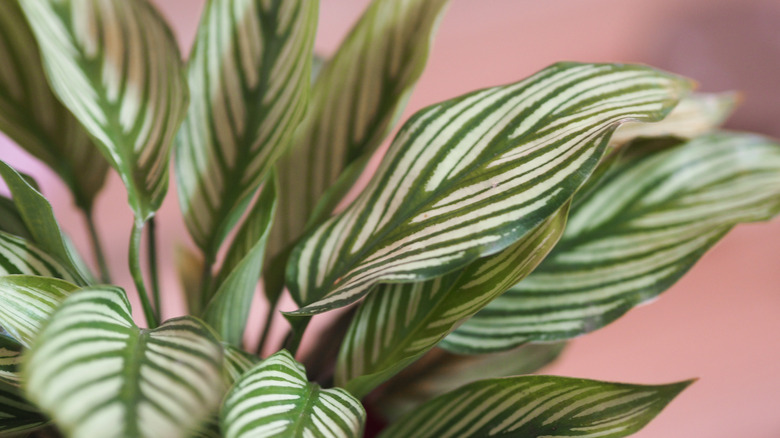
(11, 221)
(16, 413)
(275, 399)
(537, 406)
(189, 270)
(116, 66)
(633, 237)
(439, 372)
(228, 310)
(38, 217)
(696, 114)
(97, 374)
(237, 362)
(33, 117)
(28, 302)
(357, 98)
(249, 74)
(20, 257)
(398, 323)
(10, 359)
(468, 177)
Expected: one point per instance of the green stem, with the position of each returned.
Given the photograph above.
(269, 318)
(138, 278)
(298, 324)
(97, 247)
(205, 283)
(151, 252)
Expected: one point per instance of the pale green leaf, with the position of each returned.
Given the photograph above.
(357, 98)
(468, 177)
(189, 270)
(633, 237)
(20, 257)
(116, 66)
(228, 310)
(97, 374)
(17, 415)
(275, 399)
(39, 220)
(697, 114)
(249, 73)
(537, 406)
(27, 302)
(398, 323)
(32, 116)
(439, 372)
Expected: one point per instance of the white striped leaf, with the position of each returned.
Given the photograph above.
(39, 220)
(115, 65)
(275, 399)
(32, 116)
(17, 415)
(20, 257)
(237, 362)
(697, 114)
(10, 359)
(228, 310)
(468, 177)
(439, 372)
(537, 406)
(27, 302)
(97, 374)
(249, 75)
(356, 99)
(633, 237)
(398, 323)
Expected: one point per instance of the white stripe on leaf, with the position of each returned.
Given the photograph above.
(526, 164)
(648, 221)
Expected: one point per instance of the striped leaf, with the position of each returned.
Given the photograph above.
(537, 406)
(249, 74)
(10, 359)
(32, 116)
(439, 372)
(629, 240)
(17, 415)
(697, 114)
(400, 322)
(228, 310)
(468, 177)
(20, 257)
(115, 65)
(357, 98)
(97, 374)
(27, 302)
(189, 269)
(39, 220)
(275, 399)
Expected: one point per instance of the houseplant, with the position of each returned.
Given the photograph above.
(473, 195)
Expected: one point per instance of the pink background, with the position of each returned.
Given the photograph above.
(720, 322)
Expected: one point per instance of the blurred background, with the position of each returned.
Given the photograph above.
(720, 323)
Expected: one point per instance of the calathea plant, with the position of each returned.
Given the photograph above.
(499, 224)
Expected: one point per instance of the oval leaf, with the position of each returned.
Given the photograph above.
(537, 406)
(38, 217)
(32, 116)
(97, 374)
(228, 310)
(633, 237)
(28, 302)
(115, 65)
(357, 98)
(16, 413)
(10, 359)
(275, 399)
(468, 177)
(439, 372)
(249, 74)
(19, 257)
(399, 323)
